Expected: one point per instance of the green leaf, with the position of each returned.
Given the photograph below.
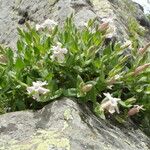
(99, 111)
(80, 84)
(56, 94)
(19, 64)
(72, 92)
(120, 119)
(129, 101)
(122, 103)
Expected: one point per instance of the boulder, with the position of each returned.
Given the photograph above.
(66, 125)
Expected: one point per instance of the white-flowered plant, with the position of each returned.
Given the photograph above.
(83, 65)
(37, 89)
(48, 23)
(58, 53)
(110, 103)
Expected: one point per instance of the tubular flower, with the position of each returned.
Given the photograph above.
(47, 24)
(58, 53)
(110, 103)
(141, 68)
(108, 24)
(104, 26)
(143, 50)
(86, 88)
(36, 89)
(135, 110)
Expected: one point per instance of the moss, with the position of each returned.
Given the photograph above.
(135, 31)
(129, 6)
(135, 28)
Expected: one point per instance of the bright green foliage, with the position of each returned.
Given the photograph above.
(88, 62)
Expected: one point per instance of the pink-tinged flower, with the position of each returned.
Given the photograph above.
(110, 103)
(108, 22)
(135, 110)
(58, 53)
(141, 68)
(37, 89)
(104, 26)
(143, 50)
(47, 24)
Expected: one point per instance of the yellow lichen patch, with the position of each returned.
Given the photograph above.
(67, 114)
(41, 141)
(102, 5)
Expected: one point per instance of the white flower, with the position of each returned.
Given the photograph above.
(108, 20)
(48, 23)
(58, 52)
(110, 103)
(37, 89)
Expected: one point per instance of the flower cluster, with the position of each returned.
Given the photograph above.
(37, 89)
(50, 24)
(58, 53)
(110, 103)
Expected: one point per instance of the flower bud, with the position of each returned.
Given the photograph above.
(3, 59)
(141, 68)
(113, 79)
(143, 50)
(135, 110)
(87, 88)
(127, 44)
(104, 26)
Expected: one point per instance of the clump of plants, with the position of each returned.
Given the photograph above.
(53, 62)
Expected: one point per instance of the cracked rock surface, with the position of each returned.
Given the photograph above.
(71, 127)
(13, 14)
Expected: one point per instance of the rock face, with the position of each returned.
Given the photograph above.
(15, 12)
(66, 125)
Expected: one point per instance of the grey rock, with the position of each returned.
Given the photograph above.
(14, 12)
(66, 125)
